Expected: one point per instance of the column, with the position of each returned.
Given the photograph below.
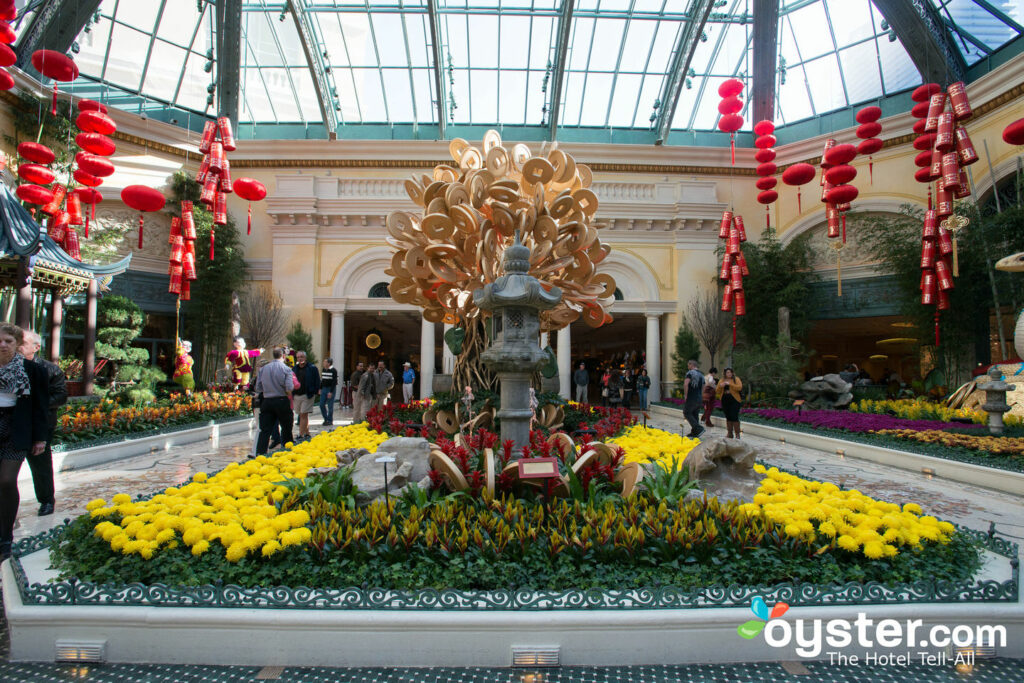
(23, 306)
(338, 349)
(564, 353)
(447, 357)
(654, 356)
(56, 320)
(426, 359)
(89, 361)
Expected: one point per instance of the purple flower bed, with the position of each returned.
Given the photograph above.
(853, 422)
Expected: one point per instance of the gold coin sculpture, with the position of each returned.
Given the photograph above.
(470, 213)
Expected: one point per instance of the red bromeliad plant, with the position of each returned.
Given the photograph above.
(401, 419)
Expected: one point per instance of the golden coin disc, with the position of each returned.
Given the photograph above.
(502, 194)
(557, 159)
(598, 251)
(433, 315)
(442, 251)
(585, 174)
(577, 234)
(545, 229)
(503, 220)
(497, 161)
(591, 236)
(581, 269)
(463, 299)
(445, 173)
(398, 265)
(437, 226)
(442, 270)
(592, 315)
(492, 139)
(469, 249)
(437, 205)
(562, 205)
(402, 290)
(564, 316)
(456, 194)
(505, 182)
(416, 262)
(433, 190)
(463, 218)
(540, 252)
(396, 243)
(569, 173)
(520, 155)
(414, 190)
(478, 191)
(449, 318)
(399, 224)
(587, 201)
(604, 280)
(538, 170)
(457, 148)
(471, 158)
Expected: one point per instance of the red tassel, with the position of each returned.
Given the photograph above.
(141, 219)
(767, 218)
(248, 228)
(86, 226)
(798, 209)
(53, 107)
(871, 170)
(844, 228)
(929, 196)
(211, 244)
(732, 152)
(734, 329)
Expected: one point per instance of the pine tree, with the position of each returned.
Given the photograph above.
(301, 340)
(120, 320)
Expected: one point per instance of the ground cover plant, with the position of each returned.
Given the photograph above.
(79, 423)
(923, 409)
(255, 524)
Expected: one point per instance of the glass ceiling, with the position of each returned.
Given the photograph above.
(497, 61)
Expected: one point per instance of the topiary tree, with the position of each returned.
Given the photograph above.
(300, 340)
(119, 322)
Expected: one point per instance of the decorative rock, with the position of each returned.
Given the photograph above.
(830, 391)
(350, 455)
(725, 468)
(412, 450)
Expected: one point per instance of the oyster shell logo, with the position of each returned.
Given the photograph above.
(751, 629)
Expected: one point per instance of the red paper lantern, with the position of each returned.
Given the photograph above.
(91, 105)
(7, 34)
(94, 165)
(34, 194)
(36, 173)
(97, 144)
(92, 198)
(842, 194)
(765, 141)
(869, 146)
(766, 183)
(7, 56)
(6, 80)
(252, 190)
(841, 174)
(730, 123)
(87, 179)
(730, 87)
(1013, 134)
(767, 197)
(55, 65)
(919, 126)
(766, 154)
(924, 92)
(919, 110)
(764, 127)
(840, 154)
(95, 122)
(142, 199)
(730, 105)
(798, 174)
(926, 141)
(767, 168)
(869, 130)
(36, 152)
(923, 159)
(869, 115)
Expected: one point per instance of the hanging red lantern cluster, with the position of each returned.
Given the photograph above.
(729, 108)
(868, 132)
(766, 168)
(836, 191)
(183, 252)
(35, 173)
(7, 37)
(92, 164)
(215, 171)
(734, 267)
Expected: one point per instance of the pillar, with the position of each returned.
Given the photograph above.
(426, 359)
(338, 348)
(564, 353)
(56, 320)
(654, 356)
(89, 361)
(447, 357)
(23, 307)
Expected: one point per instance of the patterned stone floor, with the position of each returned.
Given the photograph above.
(973, 506)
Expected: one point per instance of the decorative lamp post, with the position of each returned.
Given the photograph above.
(995, 399)
(515, 300)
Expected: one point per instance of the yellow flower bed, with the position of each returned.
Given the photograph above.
(648, 444)
(922, 409)
(993, 444)
(235, 506)
(846, 519)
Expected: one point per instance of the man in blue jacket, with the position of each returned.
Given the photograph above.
(309, 387)
(408, 377)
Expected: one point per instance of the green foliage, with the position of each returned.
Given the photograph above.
(669, 484)
(769, 368)
(687, 348)
(119, 322)
(301, 340)
(334, 488)
(779, 276)
(206, 316)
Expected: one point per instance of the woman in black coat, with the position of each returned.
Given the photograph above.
(24, 398)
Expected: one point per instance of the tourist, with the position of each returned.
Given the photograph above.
(368, 391)
(643, 385)
(708, 394)
(628, 387)
(305, 393)
(693, 386)
(729, 392)
(24, 430)
(274, 383)
(275, 435)
(385, 381)
(328, 390)
(605, 377)
(408, 377)
(57, 395)
(850, 374)
(358, 404)
(238, 361)
(614, 388)
(582, 380)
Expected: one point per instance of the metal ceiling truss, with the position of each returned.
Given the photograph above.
(54, 27)
(766, 54)
(436, 52)
(313, 48)
(920, 29)
(686, 45)
(558, 67)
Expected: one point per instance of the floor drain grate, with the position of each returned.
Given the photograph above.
(269, 673)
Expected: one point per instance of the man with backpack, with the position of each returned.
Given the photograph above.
(693, 386)
(367, 391)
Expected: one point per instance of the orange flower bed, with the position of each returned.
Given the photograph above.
(1003, 445)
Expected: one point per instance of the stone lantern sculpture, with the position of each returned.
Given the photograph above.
(515, 300)
(995, 399)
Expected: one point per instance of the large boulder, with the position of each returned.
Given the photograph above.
(411, 465)
(725, 468)
(830, 391)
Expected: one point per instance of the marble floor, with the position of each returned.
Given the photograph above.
(972, 506)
